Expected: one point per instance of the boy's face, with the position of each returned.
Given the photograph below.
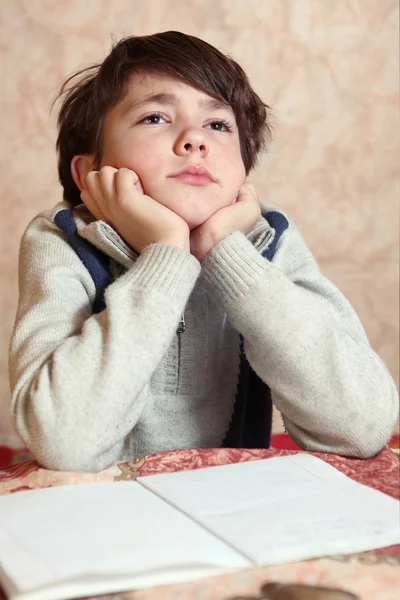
(163, 126)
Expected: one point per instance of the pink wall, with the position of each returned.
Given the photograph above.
(330, 70)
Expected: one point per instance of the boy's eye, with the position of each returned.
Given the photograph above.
(153, 119)
(158, 118)
(219, 125)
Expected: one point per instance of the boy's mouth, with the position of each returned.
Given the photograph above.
(194, 175)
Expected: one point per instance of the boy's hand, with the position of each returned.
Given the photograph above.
(240, 216)
(116, 197)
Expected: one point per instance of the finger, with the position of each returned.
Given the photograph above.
(125, 182)
(94, 187)
(91, 204)
(106, 179)
(247, 193)
(97, 200)
(125, 172)
(96, 195)
(138, 184)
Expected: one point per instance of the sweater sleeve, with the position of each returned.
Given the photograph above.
(303, 339)
(77, 378)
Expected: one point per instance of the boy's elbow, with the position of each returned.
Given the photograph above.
(373, 441)
(364, 438)
(343, 445)
(373, 427)
(363, 449)
(57, 443)
(57, 454)
(58, 450)
(58, 458)
(370, 439)
(381, 424)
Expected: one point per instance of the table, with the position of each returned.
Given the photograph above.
(370, 575)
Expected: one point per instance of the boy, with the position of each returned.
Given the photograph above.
(170, 308)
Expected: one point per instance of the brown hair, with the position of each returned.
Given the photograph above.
(88, 95)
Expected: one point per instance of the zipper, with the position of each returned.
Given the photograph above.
(179, 331)
(182, 324)
(119, 243)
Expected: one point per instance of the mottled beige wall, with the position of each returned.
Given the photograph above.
(329, 68)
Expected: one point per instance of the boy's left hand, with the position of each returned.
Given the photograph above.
(240, 216)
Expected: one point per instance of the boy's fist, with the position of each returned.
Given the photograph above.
(116, 197)
(242, 216)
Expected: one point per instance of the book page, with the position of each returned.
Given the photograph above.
(102, 537)
(283, 509)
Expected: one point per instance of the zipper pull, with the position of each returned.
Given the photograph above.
(182, 325)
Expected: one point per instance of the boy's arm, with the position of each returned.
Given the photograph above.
(305, 341)
(77, 378)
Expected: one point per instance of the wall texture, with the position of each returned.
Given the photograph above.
(329, 69)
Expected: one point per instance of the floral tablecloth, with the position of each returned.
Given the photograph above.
(369, 575)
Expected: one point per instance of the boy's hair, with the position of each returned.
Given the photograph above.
(88, 95)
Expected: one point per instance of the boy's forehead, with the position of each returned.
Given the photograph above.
(144, 88)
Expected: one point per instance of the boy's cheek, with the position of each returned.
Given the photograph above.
(149, 186)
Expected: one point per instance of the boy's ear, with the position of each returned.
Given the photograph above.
(81, 164)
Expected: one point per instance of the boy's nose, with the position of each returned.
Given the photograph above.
(191, 141)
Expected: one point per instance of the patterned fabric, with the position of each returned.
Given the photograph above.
(371, 575)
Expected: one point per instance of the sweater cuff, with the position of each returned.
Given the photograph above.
(166, 269)
(233, 267)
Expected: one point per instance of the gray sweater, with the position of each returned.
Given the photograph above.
(89, 389)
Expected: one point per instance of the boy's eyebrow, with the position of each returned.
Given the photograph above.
(165, 98)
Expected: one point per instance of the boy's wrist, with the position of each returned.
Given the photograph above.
(183, 242)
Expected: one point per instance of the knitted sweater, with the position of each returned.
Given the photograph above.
(92, 389)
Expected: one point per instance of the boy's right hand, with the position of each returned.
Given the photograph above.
(116, 197)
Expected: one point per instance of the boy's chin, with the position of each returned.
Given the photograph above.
(194, 218)
(193, 209)
(194, 225)
(194, 221)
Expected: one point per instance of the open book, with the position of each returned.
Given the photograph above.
(71, 541)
